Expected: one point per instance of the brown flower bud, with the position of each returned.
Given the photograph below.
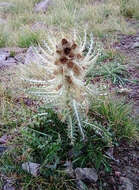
(63, 60)
(68, 79)
(71, 55)
(59, 51)
(67, 50)
(58, 87)
(64, 41)
(73, 46)
(79, 56)
(58, 71)
(70, 64)
(76, 69)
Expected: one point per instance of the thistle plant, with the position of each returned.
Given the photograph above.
(65, 89)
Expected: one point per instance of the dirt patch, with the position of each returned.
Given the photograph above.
(129, 45)
(133, 23)
(10, 57)
(125, 168)
(133, 94)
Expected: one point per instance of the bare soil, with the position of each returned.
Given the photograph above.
(125, 165)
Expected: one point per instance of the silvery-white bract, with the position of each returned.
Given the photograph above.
(65, 63)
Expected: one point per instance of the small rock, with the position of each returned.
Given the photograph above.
(87, 174)
(13, 49)
(124, 91)
(39, 26)
(3, 139)
(6, 60)
(30, 56)
(2, 21)
(4, 55)
(5, 5)
(126, 184)
(2, 149)
(126, 158)
(135, 45)
(8, 186)
(131, 172)
(42, 6)
(8, 63)
(10, 60)
(117, 174)
(8, 183)
(32, 168)
(20, 58)
(80, 185)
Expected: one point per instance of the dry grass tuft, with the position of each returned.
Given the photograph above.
(101, 18)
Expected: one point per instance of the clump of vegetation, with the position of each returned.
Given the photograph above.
(101, 17)
(3, 38)
(40, 136)
(43, 139)
(110, 67)
(28, 38)
(5, 97)
(116, 114)
(129, 8)
(65, 90)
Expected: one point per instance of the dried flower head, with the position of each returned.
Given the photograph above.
(66, 66)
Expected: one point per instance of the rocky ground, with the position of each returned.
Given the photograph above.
(125, 164)
(125, 167)
(128, 45)
(124, 157)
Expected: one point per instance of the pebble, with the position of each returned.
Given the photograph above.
(32, 168)
(86, 174)
(42, 6)
(126, 184)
